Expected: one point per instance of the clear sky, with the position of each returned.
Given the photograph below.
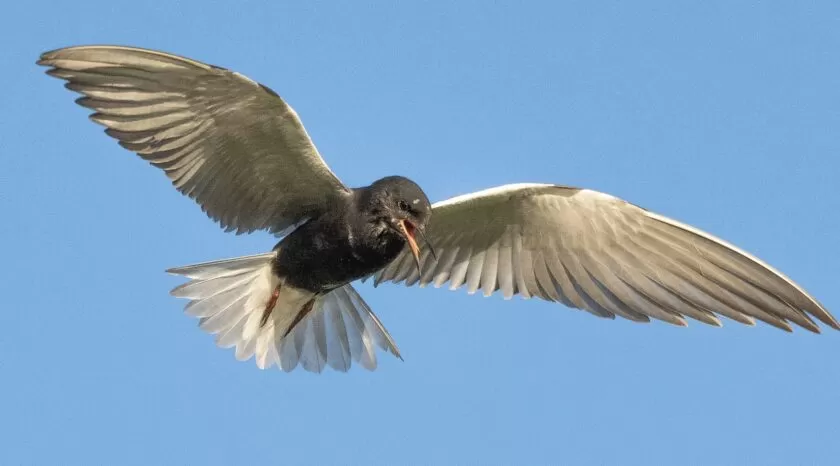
(725, 115)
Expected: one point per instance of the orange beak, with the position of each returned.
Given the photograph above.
(408, 230)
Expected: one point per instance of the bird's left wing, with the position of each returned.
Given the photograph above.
(592, 251)
(229, 143)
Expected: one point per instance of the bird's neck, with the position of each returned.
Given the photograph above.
(370, 235)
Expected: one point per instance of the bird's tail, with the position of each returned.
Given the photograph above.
(246, 305)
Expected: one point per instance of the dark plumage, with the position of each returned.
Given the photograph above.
(355, 239)
(237, 149)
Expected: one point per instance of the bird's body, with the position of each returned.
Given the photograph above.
(237, 149)
(345, 243)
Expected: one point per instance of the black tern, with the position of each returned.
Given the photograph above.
(236, 148)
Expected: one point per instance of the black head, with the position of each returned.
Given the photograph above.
(399, 204)
(400, 198)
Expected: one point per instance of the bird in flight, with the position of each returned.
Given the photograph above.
(241, 152)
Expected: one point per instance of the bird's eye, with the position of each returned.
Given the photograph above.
(403, 206)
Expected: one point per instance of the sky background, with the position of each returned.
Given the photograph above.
(724, 115)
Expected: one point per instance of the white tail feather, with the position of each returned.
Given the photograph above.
(229, 297)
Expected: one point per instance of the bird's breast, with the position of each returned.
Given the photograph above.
(322, 258)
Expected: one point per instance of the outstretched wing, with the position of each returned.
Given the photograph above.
(592, 251)
(229, 143)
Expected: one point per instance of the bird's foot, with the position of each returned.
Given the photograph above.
(270, 306)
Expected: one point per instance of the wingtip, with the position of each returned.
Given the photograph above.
(811, 327)
(392, 348)
(46, 58)
(786, 327)
(828, 319)
(174, 271)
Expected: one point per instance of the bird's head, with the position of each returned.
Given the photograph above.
(403, 207)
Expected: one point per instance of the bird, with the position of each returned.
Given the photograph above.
(241, 153)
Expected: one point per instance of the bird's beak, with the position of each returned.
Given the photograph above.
(408, 230)
(428, 244)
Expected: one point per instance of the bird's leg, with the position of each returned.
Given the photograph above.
(306, 309)
(270, 306)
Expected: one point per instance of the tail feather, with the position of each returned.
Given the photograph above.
(195, 289)
(229, 298)
(224, 267)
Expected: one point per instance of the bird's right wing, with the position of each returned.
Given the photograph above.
(229, 143)
(592, 251)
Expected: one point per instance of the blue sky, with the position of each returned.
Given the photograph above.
(721, 114)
